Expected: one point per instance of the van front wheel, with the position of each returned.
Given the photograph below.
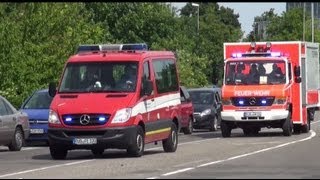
(137, 148)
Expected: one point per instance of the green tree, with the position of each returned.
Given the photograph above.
(36, 40)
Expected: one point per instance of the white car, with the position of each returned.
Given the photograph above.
(14, 126)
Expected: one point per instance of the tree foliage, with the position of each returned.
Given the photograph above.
(37, 38)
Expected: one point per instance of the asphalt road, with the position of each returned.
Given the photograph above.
(200, 155)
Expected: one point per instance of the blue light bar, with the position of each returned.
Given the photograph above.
(264, 101)
(241, 102)
(102, 118)
(112, 47)
(68, 119)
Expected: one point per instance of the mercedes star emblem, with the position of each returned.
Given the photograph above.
(252, 101)
(85, 119)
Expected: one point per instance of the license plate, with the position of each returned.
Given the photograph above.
(36, 131)
(252, 114)
(84, 141)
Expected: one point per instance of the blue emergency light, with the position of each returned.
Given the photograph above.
(269, 54)
(113, 47)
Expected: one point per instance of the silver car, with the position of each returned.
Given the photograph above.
(14, 126)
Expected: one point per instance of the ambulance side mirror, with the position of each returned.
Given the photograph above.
(297, 79)
(296, 71)
(52, 89)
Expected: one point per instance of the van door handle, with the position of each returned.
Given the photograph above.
(152, 99)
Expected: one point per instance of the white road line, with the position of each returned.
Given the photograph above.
(178, 171)
(79, 162)
(43, 168)
(155, 177)
(313, 134)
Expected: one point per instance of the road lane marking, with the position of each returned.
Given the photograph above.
(178, 171)
(313, 134)
(84, 161)
(79, 162)
(44, 168)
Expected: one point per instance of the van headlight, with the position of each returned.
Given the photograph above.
(53, 117)
(122, 116)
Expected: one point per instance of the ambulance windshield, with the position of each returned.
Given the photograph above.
(255, 72)
(100, 77)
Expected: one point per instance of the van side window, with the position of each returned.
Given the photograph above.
(165, 75)
(289, 70)
(146, 75)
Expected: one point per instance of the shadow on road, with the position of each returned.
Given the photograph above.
(238, 133)
(86, 155)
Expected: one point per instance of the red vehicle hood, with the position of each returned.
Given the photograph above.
(254, 90)
(91, 103)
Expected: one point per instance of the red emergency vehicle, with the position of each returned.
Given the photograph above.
(122, 97)
(270, 84)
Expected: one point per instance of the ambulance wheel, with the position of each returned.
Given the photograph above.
(287, 126)
(58, 152)
(171, 143)
(296, 128)
(137, 148)
(306, 128)
(225, 129)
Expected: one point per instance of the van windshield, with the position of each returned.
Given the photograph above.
(255, 72)
(99, 77)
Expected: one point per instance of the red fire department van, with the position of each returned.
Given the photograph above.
(270, 84)
(121, 98)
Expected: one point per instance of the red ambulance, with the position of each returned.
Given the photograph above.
(270, 84)
(115, 96)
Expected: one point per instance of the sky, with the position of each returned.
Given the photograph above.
(247, 11)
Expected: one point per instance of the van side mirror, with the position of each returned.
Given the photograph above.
(297, 79)
(52, 89)
(296, 71)
(148, 88)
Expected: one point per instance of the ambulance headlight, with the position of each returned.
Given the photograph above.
(279, 101)
(53, 117)
(122, 116)
(226, 101)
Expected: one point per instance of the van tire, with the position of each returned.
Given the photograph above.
(58, 152)
(171, 143)
(225, 129)
(189, 129)
(137, 148)
(287, 126)
(17, 140)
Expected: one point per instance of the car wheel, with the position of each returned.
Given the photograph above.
(189, 129)
(17, 140)
(97, 152)
(137, 148)
(58, 152)
(214, 124)
(170, 144)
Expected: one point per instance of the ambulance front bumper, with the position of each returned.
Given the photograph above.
(254, 116)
